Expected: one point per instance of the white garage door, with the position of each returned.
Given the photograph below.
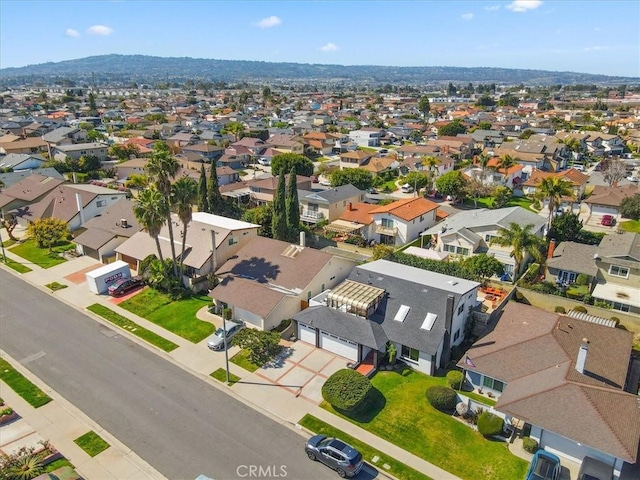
(339, 346)
(603, 210)
(307, 333)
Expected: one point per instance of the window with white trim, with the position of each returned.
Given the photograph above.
(617, 271)
(493, 384)
(409, 353)
(233, 240)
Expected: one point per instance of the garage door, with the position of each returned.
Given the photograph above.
(307, 333)
(603, 210)
(339, 346)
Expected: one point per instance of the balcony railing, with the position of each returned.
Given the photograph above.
(311, 215)
(391, 231)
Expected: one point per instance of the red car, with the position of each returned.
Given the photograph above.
(607, 220)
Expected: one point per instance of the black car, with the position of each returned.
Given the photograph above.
(334, 453)
(124, 285)
(592, 469)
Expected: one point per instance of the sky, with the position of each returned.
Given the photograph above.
(589, 36)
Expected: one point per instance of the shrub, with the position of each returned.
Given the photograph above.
(490, 424)
(442, 398)
(616, 320)
(559, 309)
(580, 309)
(530, 444)
(454, 379)
(346, 389)
(283, 325)
(583, 279)
(602, 304)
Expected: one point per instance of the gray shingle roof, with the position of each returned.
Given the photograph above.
(621, 247)
(332, 195)
(574, 257)
(482, 217)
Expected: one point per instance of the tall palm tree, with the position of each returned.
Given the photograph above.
(483, 162)
(162, 168)
(553, 189)
(184, 194)
(150, 209)
(505, 163)
(522, 241)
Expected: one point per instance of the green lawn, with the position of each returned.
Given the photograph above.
(123, 322)
(29, 250)
(485, 202)
(480, 398)
(631, 226)
(91, 443)
(23, 387)
(177, 316)
(241, 360)
(398, 469)
(399, 413)
(54, 286)
(221, 375)
(7, 243)
(17, 266)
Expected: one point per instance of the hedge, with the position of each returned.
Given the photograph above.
(346, 389)
(454, 379)
(560, 309)
(442, 398)
(580, 309)
(490, 424)
(530, 444)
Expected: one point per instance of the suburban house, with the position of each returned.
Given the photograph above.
(99, 237)
(285, 143)
(26, 191)
(568, 260)
(599, 144)
(422, 312)
(470, 233)
(402, 221)
(328, 204)
(577, 179)
(356, 220)
(493, 176)
(206, 234)
(210, 152)
(606, 200)
(26, 145)
(64, 136)
(263, 189)
(21, 161)
(366, 137)
(75, 151)
(321, 143)
(566, 378)
(354, 159)
(282, 278)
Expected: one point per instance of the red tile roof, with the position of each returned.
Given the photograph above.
(407, 209)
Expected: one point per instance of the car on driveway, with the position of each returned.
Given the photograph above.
(216, 341)
(607, 220)
(592, 469)
(123, 286)
(544, 466)
(334, 453)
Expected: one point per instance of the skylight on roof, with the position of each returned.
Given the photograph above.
(402, 313)
(429, 320)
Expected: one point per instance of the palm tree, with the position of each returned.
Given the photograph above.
(150, 209)
(483, 162)
(505, 163)
(553, 189)
(522, 241)
(184, 194)
(162, 168)
(237, 128)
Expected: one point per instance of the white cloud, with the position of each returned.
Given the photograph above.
(524, 5)
(99, 30)
(492, 8)
(596, 48)
(70, 32)
(467, 16)
(329, 47)
(269, 22)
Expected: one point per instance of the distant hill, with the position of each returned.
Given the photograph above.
(146, 68)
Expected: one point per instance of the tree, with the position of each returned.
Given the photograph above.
(124, 151)
(505, 163)
(150, 209)
(483, 163)
(485, 101)
(452, 129)
(418, 180)
(483, 265)
(89, 163)
(237, 129)
(501, 196)
(94, 135)
(47, 232)
(553, 189)
(214, 197)
(451, 183)
(565, 227)
(279, 219)
(262, 345)
(261, 215)
(137, 180)
(361, 179)
(476, 189)
(630, 207)
(203, 199)
(184, 193)
(9, 224)
(613, 170)
(286, 161)
(522, 241)
(484, 125)
(431, 163)
(424, 106)
(292, 206)
(346, 389)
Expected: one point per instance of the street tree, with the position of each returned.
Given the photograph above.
(613, 170)
(418, 180)
(48, 232)
(262, 345)
(451, 183)
(361, 179)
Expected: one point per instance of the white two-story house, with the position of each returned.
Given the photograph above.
(403, 221)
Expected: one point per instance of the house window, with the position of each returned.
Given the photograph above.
(410, 353)
(456, 335)
(101, 203)
(493, 384)
(616, 271)
(463, 251)
(322, 288)
(308, 296)
(233, 241)
(449, 248)
(488, 237)
(421, 218)
(387, 223)
(621, 307)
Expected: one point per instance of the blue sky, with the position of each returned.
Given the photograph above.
(582, 36)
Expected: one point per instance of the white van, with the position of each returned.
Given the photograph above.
(406, 188)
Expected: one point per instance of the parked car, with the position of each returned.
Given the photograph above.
(544, 466)
(124, 285)
(607, 220)
(578, 166)
(406, 188)
(592, 469)
(633, 179)
(334, 453)
(216, 341)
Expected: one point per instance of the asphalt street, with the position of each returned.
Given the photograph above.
(172, 419)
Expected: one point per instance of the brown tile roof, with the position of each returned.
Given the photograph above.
(575, 177)
(407, 209)
(356, 154)
(613, 196)
(31, 187)
(360, 213)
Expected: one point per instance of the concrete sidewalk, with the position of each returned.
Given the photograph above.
(273, 400)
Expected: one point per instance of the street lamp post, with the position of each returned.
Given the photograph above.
(4, 256)
(224, 336)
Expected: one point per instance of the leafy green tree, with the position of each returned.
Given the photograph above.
(292, 206)
(261, 215)
(262, 345)
(382, 251)
(286, 161)
(279, 219)
(565, 227)
(94, 135)
(483, 265)
(214, 197)
(418, 180)
(522, 241)
(485, 101)
(451, 183)
(237, 129)
(501, 196)
(184, 194)
(123, 151)
(630, 207)
(89, 163)
(508, 100)
(150, 209)
(48, 232)
(203, 199)
(452, 129)
(93, 108)
(553, 189)
(415, 136)
(137, 180)
(359, 178)
(475, 189)
(505, 163)
(424, 106)
(484, 125)
(526, 134)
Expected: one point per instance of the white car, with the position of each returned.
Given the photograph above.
(406, 188)
(264, 161)
(633, 179)
(216, 341)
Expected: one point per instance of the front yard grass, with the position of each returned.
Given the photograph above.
(55, 286)
(479, 398)
(631, 226)
(398, 469)
(17, 266)
(401, 414)
(177, 316)
(22, 386)
(221, 375)
(29, 250)
(241, 359)
(91, 443)
(485, 202)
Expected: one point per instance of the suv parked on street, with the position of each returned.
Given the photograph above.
(334, 453)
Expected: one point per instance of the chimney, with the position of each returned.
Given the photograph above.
(303, 240)
(349, 206)
(582, 355)
(552, 247)
(79, 204)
